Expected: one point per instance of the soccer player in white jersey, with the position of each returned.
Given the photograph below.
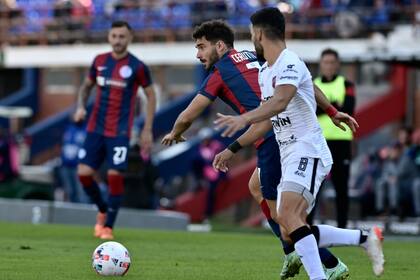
(288, 92)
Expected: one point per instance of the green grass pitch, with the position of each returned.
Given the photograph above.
(64, 252)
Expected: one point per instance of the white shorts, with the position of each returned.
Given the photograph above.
(303, 175)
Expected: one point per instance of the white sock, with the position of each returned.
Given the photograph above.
(307, 249)
(330, 236)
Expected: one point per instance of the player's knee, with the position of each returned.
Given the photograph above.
(116, 183)
(287, 218)
(113, 172)
(84, 170)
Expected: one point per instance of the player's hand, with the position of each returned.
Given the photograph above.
(146, 141)
(221, 160)
(79, 115)
(341, 117)
(170, 138)
(230, 124)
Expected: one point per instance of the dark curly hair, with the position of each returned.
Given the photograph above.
(271, 21)
(213, 31)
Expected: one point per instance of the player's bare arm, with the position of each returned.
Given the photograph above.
(146, 136)
(337, 117)
(254, 132)
(82, 98)
(185, 119)
(275, 105)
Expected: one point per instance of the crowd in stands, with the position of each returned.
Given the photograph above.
(388, 179)
(71, 21)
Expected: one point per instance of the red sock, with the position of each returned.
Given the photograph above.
(265, 209)
(116, 184)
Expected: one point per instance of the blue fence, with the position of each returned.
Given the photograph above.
(27, 96)
(46, 134)
(178, 160)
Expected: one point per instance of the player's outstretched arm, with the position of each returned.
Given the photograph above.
(254, 132)
(146, 136)
(82, 97)
(320, 98)
(275, 105)
(337, 117)
(341, 117)
(185, 119)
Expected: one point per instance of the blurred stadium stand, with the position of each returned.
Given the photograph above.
(26, 95)
(86, 21)
(47, 46)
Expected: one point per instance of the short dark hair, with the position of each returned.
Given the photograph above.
(272, 21)
(215, 30)
(330, 51)
(121, 23)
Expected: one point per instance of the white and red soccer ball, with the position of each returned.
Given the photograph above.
(111, 259)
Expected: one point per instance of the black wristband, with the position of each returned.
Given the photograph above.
(234, 147)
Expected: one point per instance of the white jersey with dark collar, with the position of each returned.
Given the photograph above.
(297, 130)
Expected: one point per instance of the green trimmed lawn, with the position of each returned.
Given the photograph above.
(64, 252)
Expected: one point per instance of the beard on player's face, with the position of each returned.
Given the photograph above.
(119, 38)
(255, 34)
(119, 48)
(259, 50)
(211, 60)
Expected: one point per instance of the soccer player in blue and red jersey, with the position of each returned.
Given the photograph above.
(117, 76)
(233, 77)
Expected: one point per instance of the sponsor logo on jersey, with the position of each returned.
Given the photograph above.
(115, 83)
(288, 78)
(289, 141)
(300, 173)
(103, 81)
(101, 68)
(279, 122)
(289, 70)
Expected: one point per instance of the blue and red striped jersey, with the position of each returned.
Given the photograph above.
(234, 79)
(117, 82)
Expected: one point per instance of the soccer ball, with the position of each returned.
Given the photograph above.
(111, 258)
